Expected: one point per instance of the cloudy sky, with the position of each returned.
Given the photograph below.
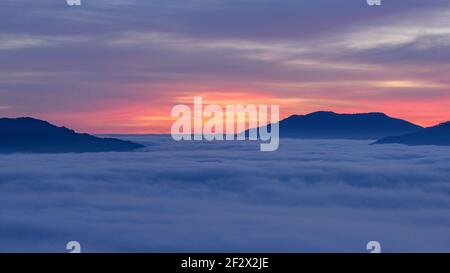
(120, 65)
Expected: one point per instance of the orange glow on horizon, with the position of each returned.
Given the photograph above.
(155, 118)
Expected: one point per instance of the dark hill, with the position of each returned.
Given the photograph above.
(28, 135)
(330, 125)
(437, 135)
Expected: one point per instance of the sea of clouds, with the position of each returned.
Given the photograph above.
(309, 196)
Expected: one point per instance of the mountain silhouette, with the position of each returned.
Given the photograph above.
(28, 135)
(330, 125)
(437, 135)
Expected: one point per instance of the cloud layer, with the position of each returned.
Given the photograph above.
(308, 196)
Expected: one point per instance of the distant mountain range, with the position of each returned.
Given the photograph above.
(437, 135)
(28, 135)
(330, 125)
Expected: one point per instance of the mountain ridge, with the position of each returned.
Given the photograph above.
(331, 125)
(30, 135)
(438, 135)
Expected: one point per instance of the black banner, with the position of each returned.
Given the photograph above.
(185, 263)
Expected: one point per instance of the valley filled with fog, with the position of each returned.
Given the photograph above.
(309, 196)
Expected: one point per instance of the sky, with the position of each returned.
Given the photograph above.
(119, 66)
